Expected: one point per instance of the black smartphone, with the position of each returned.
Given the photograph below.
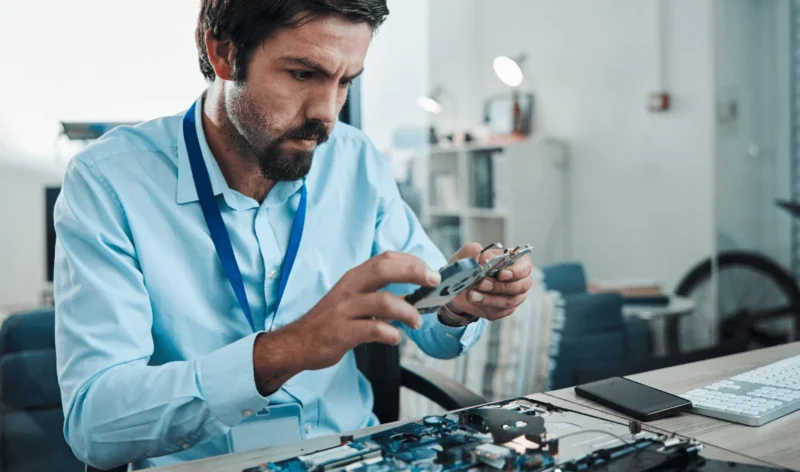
(633, 399)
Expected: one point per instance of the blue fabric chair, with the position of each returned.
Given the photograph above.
(594, 333)
(31, 419)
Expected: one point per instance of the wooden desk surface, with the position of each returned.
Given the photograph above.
(775, 442)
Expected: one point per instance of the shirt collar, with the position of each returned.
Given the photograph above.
(187, 192)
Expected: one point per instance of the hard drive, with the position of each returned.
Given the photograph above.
(462, 275)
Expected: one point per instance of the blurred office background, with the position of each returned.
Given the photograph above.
(648, 149)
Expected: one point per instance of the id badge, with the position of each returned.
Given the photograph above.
(271, 426)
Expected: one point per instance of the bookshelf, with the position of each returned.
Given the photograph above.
(486, 193)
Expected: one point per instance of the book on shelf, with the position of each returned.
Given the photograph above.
(481, 170)
(633, 291)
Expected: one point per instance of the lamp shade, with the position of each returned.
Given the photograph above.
(430, 105)
(508, 71)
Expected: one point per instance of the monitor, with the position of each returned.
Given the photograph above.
(50, 196)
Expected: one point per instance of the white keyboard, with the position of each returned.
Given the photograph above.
(752, 398)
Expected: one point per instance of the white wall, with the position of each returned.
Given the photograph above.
(453, 60)
(22, 238)
(396, 73)
(77, 60)
(642, 183)
(752, 63)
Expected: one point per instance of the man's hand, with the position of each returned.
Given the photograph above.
(494, 298)
(352, 313)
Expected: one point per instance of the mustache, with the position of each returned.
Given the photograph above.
(313, 129)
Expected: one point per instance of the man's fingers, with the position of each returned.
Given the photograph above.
(495, 302)
(522, 268)
(493, 286)
(393, 267)
(468, 250)
(386, 307)
(495, 315)
(489, 254)
(374, 331)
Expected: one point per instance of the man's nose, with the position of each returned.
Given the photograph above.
(324, 105)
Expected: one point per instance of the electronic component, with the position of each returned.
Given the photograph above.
(753, 398)
(492, 455)
(634, 427)
(462, 275)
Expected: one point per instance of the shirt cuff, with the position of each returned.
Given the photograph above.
(466, 335)
(228, 382)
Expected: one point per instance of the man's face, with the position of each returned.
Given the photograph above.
(295, 86)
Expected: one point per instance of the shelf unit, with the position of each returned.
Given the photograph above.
(486, 193)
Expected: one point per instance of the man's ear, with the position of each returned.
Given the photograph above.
(220, 55)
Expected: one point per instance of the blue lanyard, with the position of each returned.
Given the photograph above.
(216, 227)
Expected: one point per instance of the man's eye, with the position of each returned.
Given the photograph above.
(345, 83)
(301, 75)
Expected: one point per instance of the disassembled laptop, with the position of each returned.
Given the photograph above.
(515, 435)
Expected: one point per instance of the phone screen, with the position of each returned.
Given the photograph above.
(632, 395)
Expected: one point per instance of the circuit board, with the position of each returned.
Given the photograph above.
(515, 435)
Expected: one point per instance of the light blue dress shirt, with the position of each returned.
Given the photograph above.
(155, 357)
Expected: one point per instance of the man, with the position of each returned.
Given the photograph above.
(219, 266)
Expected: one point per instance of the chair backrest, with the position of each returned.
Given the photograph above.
(568, 278)
(380, 364)
(593, 331)
(28, 331)
(31, 419)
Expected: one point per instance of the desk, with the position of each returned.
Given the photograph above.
(677, 307)
(775, 442)
(772, 444)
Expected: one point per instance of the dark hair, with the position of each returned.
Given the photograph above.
(248, 23)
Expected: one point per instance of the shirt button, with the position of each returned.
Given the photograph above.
(309, 428)
(272, 273)
(185, 446)
(248, 413)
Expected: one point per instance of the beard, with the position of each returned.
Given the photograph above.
(278, 165)
(251, 133)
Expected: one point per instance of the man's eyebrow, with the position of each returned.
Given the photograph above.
(303, 61)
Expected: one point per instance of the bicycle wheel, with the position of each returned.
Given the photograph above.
(740, 292)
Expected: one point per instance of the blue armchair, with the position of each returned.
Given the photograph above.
(31, 419)
(594, 333)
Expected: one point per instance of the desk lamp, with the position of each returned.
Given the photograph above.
(509, 71)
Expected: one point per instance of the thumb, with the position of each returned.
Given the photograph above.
(471, 250)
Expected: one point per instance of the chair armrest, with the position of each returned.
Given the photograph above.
(122, 468)
(442, 390)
